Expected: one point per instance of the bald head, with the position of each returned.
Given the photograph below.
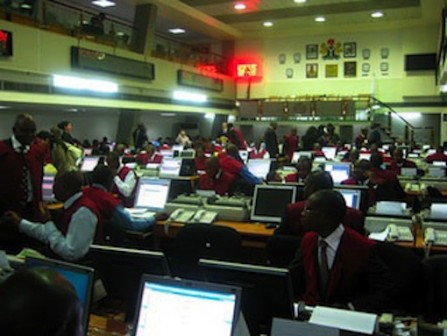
(68, 184)
(24, 129)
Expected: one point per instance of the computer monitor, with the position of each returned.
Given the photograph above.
(244, 155)
(438, 211)
(170, 167)
(439, 163)
(259, 168)
(182, 307)
(188, 154)
(80, 277)
(167, 153)
(352, 197)
(364, 193)
(436, 171)
(266, 291)
(89, 163)
(152, 193)
(178, 148)
(47, 188)
(430, 152)
(364, 156)
(88, 151)
(410, 172)
(339, 171)
(270, 202)
(120, 270)
(329, 152)
(296, 155)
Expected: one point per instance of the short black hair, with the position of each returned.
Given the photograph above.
(103, 175)
(331, 203)
(317, 180)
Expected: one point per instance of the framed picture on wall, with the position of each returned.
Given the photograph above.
(312, 51)
(331, 70)
(349, 50)
(350, 69)
(312, 70)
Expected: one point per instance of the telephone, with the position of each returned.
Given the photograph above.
(203, 216)
(181, 215)
(402, 233)
(435, 237)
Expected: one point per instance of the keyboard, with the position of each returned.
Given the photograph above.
(140, 213)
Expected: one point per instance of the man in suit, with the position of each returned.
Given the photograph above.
(336, 266)
(271, 140)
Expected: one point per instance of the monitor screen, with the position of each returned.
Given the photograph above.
(177, 148)
(270, 202)
(89, 163)
(439, 163)
(47, 188)
(296, 155)
(188, 154)
(364, 156)
(88, 151)
(430, 151)
(259, 168)
(411, 172)
(438, 211)
(339, 171)
(80, 277)
(183, 307)
(170, 167)
(352, 197)
(266, 291)
(120, 270)
(167, 153)
(329, 152)
(152, 193)
(436, 171)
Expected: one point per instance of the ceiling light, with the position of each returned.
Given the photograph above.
(320, 19)
(299, 1)
(4, 107)
(209, 116)
(443, 88)
(177, 31)
(78, 83)
(377, 15)
(104, 3)
(168, 114)
(189, 96)
(268, 24)
(240, 6)
(26, 6)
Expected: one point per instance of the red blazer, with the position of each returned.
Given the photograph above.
(436, 157)
(221, 185)
(229, 164)
(348, 280)
(144, 158)
(64, 219)
(405, 164)
(104, 201)
(291, 145)
(200, 162)
(127, 201)
(11, 164)
(254, 154)
(292, 222)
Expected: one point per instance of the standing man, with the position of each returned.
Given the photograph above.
(236, 137)
(271, 140)
(374, 136)
(140, 138)
(291, 143)
(125, 181)
(21, 170)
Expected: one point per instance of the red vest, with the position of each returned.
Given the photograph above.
(220, 185)
(229, 164)
(11, 163)
(104, 201)
(128, 202)
(64, 219)
(254, 154)
(347, 277)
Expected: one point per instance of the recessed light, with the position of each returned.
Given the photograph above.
(168, 114)
(25, 6)
(240, 6)
(104, 3)
(177, 31)
(299, 1)
(377, 15)
(4, 107)
(268, 24)
(320, 19)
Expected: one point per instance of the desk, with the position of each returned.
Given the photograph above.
(100, 325)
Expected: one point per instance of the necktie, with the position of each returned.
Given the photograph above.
(324, 267)
(25, 181)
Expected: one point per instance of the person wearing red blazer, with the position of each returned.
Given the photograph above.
(125, 181)
(399, 161)
(336, 266)
(215, 178)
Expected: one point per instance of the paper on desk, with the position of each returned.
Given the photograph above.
(344, 319)
(380, 236)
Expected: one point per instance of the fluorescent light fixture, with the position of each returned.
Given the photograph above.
(26, 6)
(177, 31)
(377, 15)
(320, 19)
(209, 116)
(240, 6)
(299, 1)
(4, 107)
(268, 24)
(443, 88)
(168, 114)
(410, 115)
(190, 96)
(375, 106)
(78, 83)
(104, 3)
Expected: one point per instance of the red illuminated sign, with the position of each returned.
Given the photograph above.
(5, 43)
(207, 68)
(247, 70)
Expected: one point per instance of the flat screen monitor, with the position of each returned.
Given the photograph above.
(188, 154)
(438, 211)
(296, 155)
(339, 171)
(152, 193)
(170, 167)
(88, 151)
(178, 148)
(364, 199)
(410, 172)
(437, 172)
(167, 153)
(266, 291)
(430, 152)
(47, 188)
(244, 155)
(270, 202)
(439, 163)
(183, 307)
(259, 168)
(364, 156)
(89, 163)
(120, 270)
(329, 152)
(352, 197)
(413, 155)
(80, 277)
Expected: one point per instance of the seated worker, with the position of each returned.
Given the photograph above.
(110, 207)
(438, 156)
(303, 169)
(124, 182)
(292, 222)
(39, 302)
(258, 151)
(215, 178)
(399, 162)
(78, 226)
(235, 167)
(148, 155)
(387, 185)
(336, 266)
(200, 158)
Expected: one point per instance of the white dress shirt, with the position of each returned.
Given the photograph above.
(333, 240)
(127, 186)
(80, 234)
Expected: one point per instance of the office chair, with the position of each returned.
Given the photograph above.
(195, 241)
(435, 276)
(281, 249)
(406, 272)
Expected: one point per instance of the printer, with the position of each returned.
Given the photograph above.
(234, 208)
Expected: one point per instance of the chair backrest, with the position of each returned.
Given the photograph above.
(407, 274)
(281, 249)
(195, 241)
(435, 276)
